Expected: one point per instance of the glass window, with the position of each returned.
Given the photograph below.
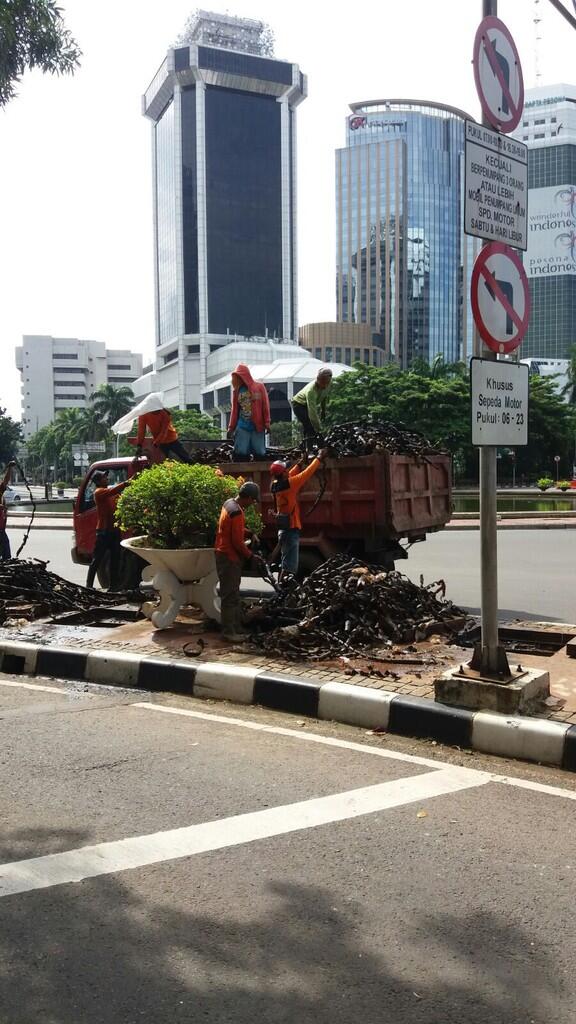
(348, 356)
(338, 355)
(119, 366)
(193, 350)
(318, 353)
(189, 211)
(367, 355)
(357, 355)
(166, 255)
(328, 354)
(243, 168)
(208, 400)
(65, 355)
(171, 357)
(223, 396)
(245, 64)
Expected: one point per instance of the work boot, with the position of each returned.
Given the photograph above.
(229, 627)
(234, 638)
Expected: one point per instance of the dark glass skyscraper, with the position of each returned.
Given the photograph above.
(224, 139)
(403, 261)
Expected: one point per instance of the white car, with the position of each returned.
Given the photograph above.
(11, 496)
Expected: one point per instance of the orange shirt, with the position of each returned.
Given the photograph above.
(160, 426)
(287, 498)
(231, 532)
(105, 498)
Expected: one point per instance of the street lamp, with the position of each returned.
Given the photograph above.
(557, 461)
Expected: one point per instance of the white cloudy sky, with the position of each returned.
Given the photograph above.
(75, 185)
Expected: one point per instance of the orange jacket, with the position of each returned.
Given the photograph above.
(287, 493)
(160, 425)
(231, 532)
(105, 498)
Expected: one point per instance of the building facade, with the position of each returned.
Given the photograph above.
(223, 116)
(403, 262)
(346, 343)
(62, 373)
(548, 128)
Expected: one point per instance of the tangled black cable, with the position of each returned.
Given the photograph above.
(33, 503)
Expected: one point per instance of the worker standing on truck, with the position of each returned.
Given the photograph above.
(286, 485)
(5, 552)
(231, 552)
(310, 405)
(108, 536)
(250, 416)
(152, 416)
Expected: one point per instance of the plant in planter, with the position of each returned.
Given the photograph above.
(563, 485)
(174, 510)
(60, 485)
(544, 483)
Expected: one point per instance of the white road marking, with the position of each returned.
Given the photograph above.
(32, 686)
(140, 851)
(362, 748)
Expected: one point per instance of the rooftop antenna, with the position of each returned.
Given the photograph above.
(537, 20)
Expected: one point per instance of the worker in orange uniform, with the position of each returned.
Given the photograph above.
(108, 536)
(164, 435)
(285, 487)
(231, 553)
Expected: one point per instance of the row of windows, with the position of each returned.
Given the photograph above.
(64, 355)
(70, 369)
(119, 366)
(71, 398)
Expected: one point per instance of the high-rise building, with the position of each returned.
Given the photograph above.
(548, 128)
(403, 262)
(223, 115)
(62, 373)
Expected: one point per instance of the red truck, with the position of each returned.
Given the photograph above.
(368, 505)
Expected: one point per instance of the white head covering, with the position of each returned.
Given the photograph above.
(152, 403)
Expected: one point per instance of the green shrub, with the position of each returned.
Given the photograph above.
(60, 485)
(178, 506)
(78, 481)
(563, 485)
(544, 483)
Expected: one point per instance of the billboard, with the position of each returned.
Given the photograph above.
(551, 232)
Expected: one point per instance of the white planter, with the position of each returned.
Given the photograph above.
(181, 576)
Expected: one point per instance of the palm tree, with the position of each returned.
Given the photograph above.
(111, 403)
(92, 428)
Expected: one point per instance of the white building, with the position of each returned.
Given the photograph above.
(557, 368)
(62, 373)
(283, 378)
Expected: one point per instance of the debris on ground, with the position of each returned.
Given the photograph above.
(347, 607)
(28, 591)
(345, 440)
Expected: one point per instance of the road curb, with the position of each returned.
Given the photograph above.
(527, 739)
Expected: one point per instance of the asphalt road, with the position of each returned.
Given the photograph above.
(537, 568)
(238, 872)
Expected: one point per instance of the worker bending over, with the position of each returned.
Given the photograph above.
(152, 416)
(285, 488)
(310, 406)
(231, 553)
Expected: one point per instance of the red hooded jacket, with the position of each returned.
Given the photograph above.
(260, 403)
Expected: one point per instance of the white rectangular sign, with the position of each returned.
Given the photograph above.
(495, 186)
(499, 402)
(552, 232)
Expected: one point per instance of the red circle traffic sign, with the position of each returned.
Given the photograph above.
(498, 74)
(500, 296)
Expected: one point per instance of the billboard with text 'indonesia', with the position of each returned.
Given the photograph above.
(551, 232)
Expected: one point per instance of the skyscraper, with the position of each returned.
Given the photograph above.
(403, 261)
(224, 138)
(549, 130)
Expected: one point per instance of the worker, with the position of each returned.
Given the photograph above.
(152, 415)
(250, 416)
(310, 404)
(5, 552)
(285, 487)
(108, 536)
(231, 553)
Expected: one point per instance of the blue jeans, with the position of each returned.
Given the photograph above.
(248, 442)
(290, 548)
(4, 546)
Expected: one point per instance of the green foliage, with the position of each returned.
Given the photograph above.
(563, 485)
(110, 402)
(194, 425)
(284, 435)
(544, 483)
(177, 505)
(10, 437)
(33, 34)
(77, 481)
(60, 485)
(438, 405)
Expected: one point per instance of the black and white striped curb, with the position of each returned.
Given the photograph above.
(528, 739)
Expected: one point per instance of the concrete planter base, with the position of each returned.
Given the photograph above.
(515, 698)
(181, 577)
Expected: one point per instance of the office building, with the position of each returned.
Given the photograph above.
(403, 263)
(223, 114)
(62, 373)
(342, 343)
(548, 128)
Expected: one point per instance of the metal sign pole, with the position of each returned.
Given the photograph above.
(493, 658)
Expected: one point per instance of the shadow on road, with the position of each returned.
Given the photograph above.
(107, 951)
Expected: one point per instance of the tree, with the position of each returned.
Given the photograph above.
(111, 403)
(569, 389)
(33, 35)
(194, 425)
(10, 436)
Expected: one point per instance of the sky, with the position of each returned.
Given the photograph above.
(75, 152)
